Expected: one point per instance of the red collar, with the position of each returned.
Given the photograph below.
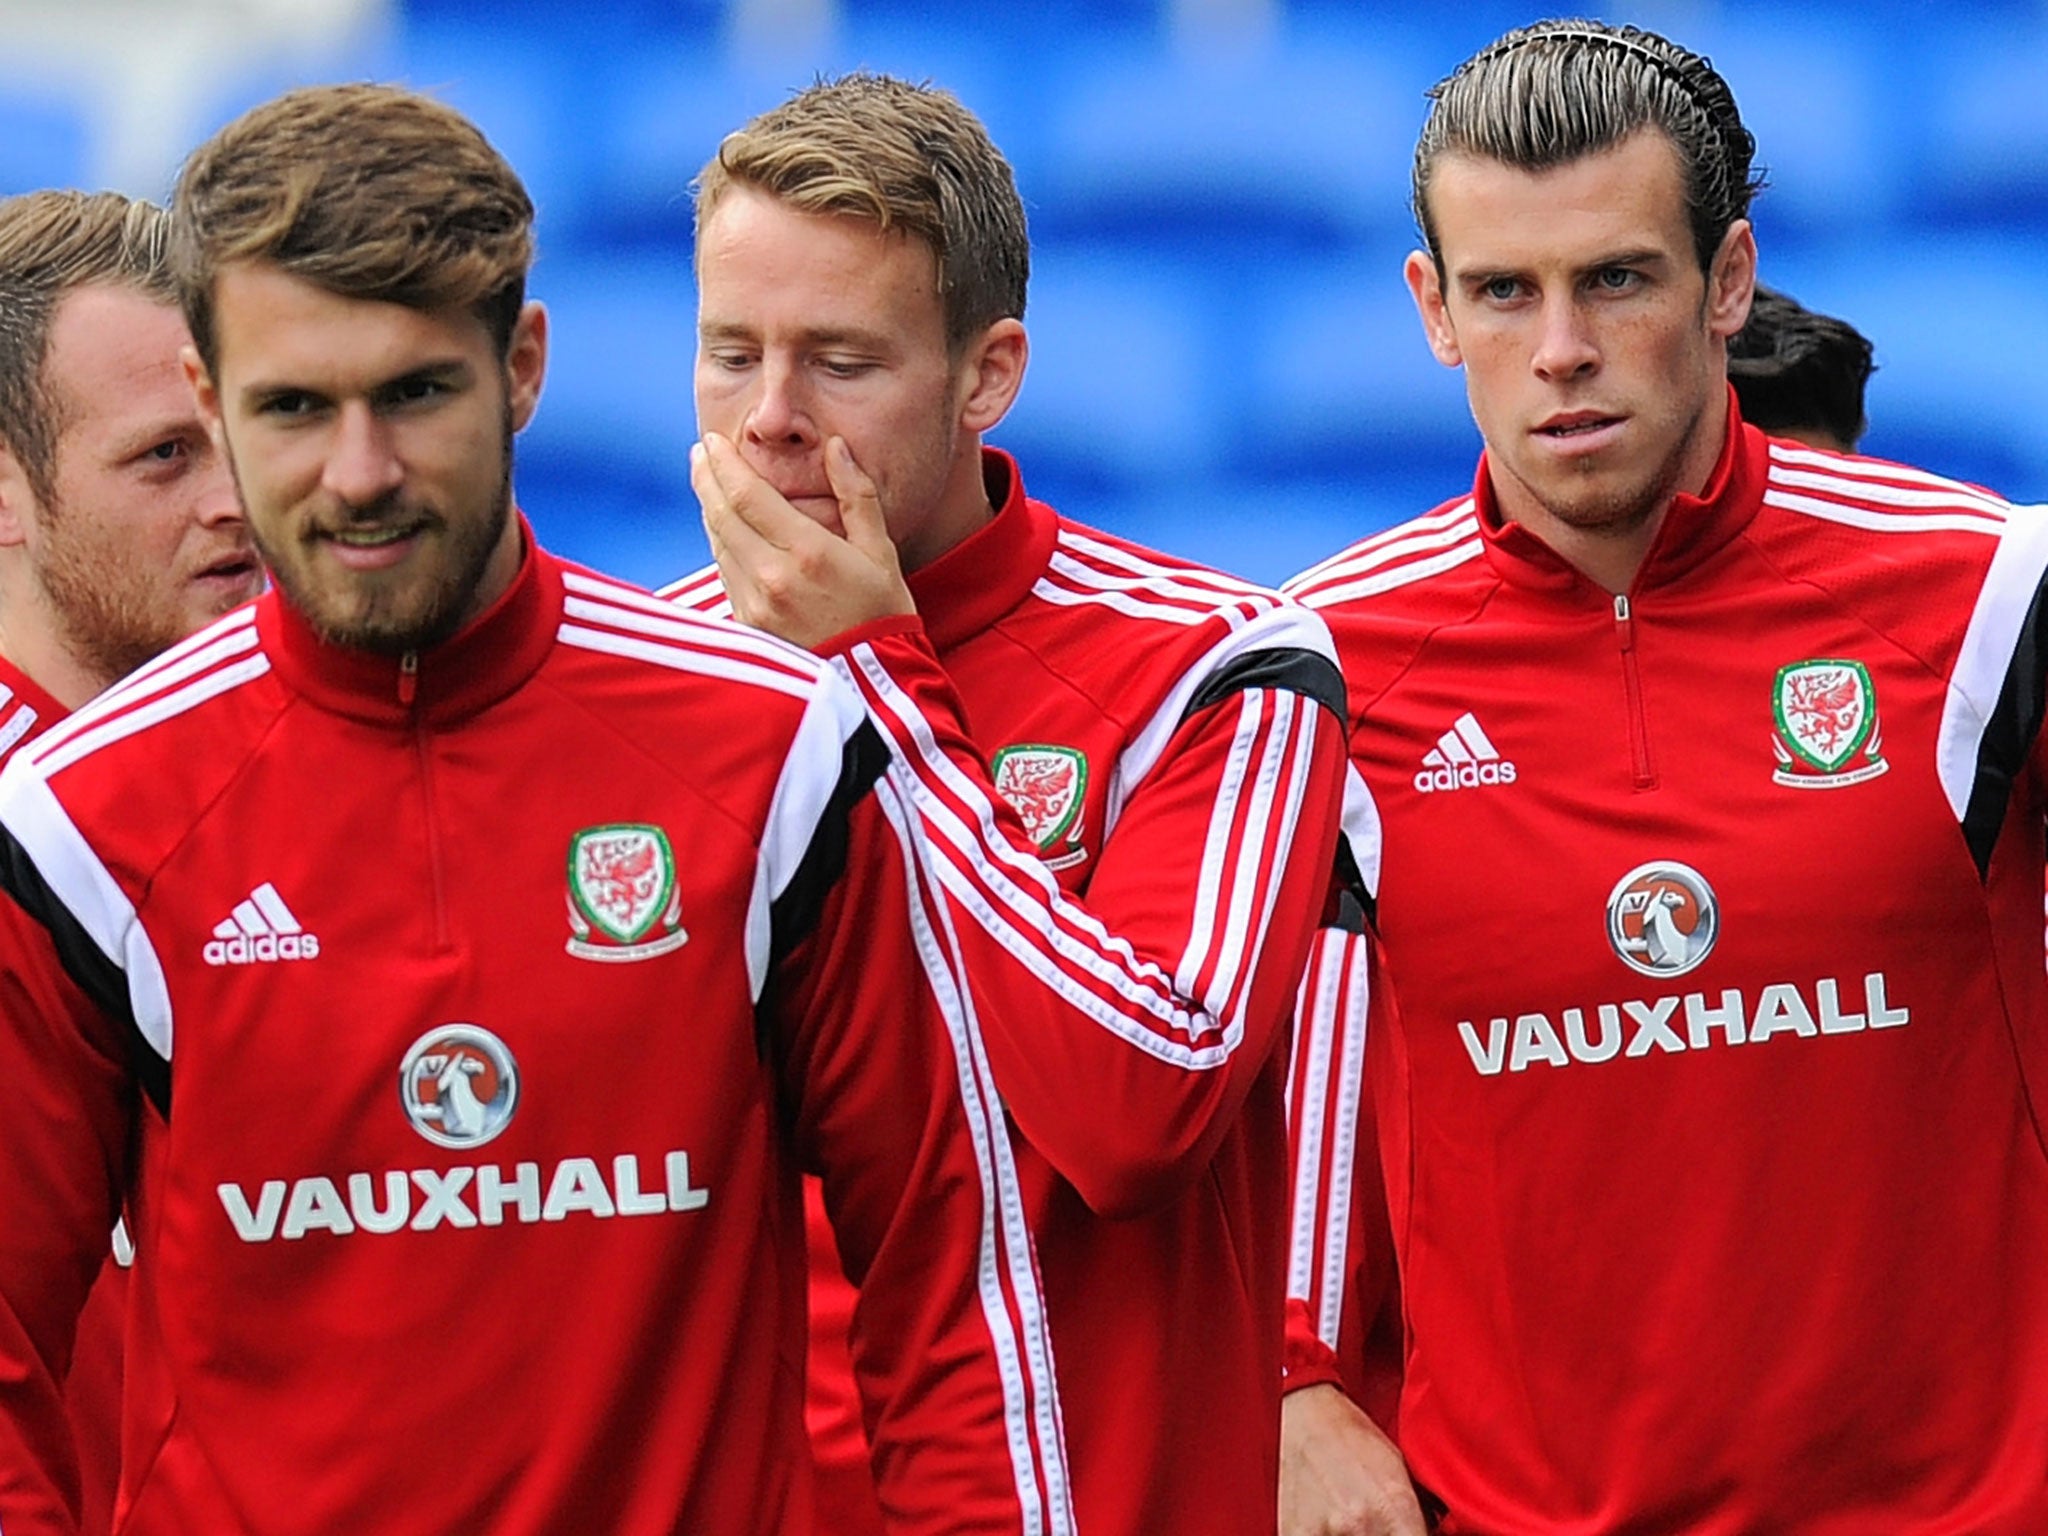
(23, 689)
(988, 573)
(490, 658)
(1693, 531)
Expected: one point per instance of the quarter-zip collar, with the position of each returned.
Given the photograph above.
(989, 572)
(1694, 529)
(485, 662)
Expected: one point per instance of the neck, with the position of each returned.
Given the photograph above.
(55, 671)
(963, 508)
(31, 639)
(1611, 554)
(1608, 557)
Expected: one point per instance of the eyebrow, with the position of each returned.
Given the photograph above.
(1642, 257)
(440, 370)
(160, 430)
(818, 336)
(1638, 256)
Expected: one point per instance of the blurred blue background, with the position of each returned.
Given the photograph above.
(1225, 361)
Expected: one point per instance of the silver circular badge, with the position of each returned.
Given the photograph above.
(1662, 918)
(459, 1085)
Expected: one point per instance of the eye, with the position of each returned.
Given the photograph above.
(166, 460)
(844, 368)
(287, 404)
(419, 389)
(1616, 279)
(729, 359)
(1500, 290)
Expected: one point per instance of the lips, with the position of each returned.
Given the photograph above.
(371, 536)
(241, 565)
(1567, 425)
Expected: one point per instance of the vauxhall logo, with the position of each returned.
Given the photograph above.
(459, 1085)
(1663, 920)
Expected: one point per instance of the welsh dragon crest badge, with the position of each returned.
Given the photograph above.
(1827, 736)
(623, 900)
(1048, 786)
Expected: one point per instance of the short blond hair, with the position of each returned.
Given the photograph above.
(1548, 94)
(903, 157)
(51, 244)
(368, 191)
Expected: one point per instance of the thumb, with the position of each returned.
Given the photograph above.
(860, 504)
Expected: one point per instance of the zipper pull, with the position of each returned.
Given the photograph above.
(1624, 621)
(408, 678)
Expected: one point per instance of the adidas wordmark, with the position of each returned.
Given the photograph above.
(260, 931)
(1463, 758)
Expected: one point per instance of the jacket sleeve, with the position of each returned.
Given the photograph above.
(893, 1107)
(64, 1148)
(1342, 1291)
(1125, 1032)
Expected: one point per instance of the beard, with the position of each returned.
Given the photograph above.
(112, 616)
(421, 608)
(1596, 507)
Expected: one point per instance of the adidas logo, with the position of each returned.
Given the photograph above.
(261, 930)
(1463, 758)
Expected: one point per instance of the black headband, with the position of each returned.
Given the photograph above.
(1693, 74)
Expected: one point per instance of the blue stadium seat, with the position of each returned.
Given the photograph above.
(1124, 372)
(622, 344)
(45, 141)
(1267, 529)
(529, 89)
(1305, 139)
(1984, 122)
(616, 524)
(1828, 132)
(604, 469)
(660, 118)
(1960, 325)
(1336, 378)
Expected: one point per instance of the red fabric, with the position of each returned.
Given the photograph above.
(1754, 1238)
(92, 1398)
(92, 1386)
(585, 1316)
(1344, 1299)
(846, 1504)
(1151, 1188)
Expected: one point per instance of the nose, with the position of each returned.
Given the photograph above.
(779, 416)
(1565, 347)
(362, 460)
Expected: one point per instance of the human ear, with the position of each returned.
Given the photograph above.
(526, 363)
(1427, 289)
(1731, 280)
(17, 500)
(991, 372)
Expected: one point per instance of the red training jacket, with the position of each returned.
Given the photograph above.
(1169, 738)
(456, 1026)
(92, 1387)
(1709, 1109)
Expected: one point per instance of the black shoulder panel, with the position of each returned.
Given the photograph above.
(97, 976)
(2008, 741)
(793, 914)
(1290, 669)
